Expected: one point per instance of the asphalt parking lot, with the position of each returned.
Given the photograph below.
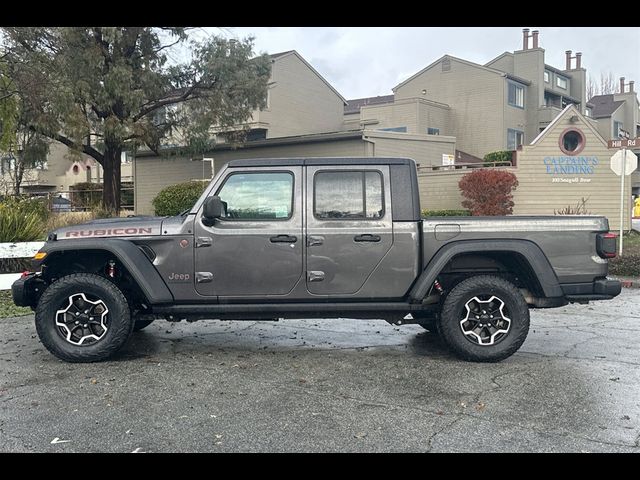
(330, 386)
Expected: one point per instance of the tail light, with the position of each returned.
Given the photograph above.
(607, 244)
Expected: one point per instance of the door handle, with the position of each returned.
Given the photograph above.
(284, 239)
(367, 237)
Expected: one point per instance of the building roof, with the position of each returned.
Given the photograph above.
(568, 110)
(353, 106)
(277, 56)
(280, 54)
(466, 62)
(604, 105)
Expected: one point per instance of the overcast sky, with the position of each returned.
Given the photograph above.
(369, 61)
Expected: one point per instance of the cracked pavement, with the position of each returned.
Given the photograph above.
(330, 386)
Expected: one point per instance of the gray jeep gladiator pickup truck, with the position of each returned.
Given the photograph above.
(314, 237)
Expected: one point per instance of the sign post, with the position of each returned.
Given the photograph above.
(623, 164)
(624, 161)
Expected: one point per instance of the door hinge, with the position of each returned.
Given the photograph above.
(315, 275)
(204, 277)
(203, 242)
(314, 240)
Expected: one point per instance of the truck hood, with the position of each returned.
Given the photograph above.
(111, 227)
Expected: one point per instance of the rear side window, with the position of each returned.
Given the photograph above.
(348, 195)
(258, 196)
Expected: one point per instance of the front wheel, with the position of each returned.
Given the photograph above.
(484, 319)
(83, 317)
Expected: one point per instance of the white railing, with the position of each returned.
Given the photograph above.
(16, 250)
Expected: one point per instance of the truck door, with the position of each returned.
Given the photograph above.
(256, 248)
(349, 226)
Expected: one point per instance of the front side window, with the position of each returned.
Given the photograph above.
(516, 95)
(348, 195)
(561, 82)
(515, 138)
(258, 196)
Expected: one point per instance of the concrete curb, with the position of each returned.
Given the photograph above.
(628, 282)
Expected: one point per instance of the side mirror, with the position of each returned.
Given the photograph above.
(212, 209)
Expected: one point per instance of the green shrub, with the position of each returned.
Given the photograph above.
(176, 198)
(445, 213)
(22, 220)
(498, 159)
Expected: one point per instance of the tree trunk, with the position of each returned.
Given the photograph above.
(19, 174)
(111, 184)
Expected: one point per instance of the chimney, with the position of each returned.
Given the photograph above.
(578, 59)
(631, 82)
(535, 38)
(568, 57)
(525, 38)
(621, 84)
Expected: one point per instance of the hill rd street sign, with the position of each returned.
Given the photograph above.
(624, 142)
(630, 163)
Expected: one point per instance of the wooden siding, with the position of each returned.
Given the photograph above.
(476, 98)
(300, 102)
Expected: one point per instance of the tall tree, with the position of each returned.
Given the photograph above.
(103, 90)
(21, 149)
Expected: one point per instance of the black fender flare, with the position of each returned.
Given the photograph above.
(134, 260)
(528, 250)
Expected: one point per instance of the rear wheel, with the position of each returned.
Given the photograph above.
(484, 319)
(83, 317)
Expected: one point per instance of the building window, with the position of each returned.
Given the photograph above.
(516, 95)
(433, 131)
(561, 82)
(348, 195)
(258, 196)
(394, 129)
(515, 138)
(572, 141)
(617, 129)
(547, 76)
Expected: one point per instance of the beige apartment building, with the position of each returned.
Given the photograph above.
(58, 172)
(566, 164)
(304, 117)
(497, 106)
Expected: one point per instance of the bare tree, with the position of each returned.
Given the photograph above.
(606, 86)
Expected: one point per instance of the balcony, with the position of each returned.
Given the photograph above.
(546, 114)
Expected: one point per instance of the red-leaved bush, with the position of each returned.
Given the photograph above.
(488, 191)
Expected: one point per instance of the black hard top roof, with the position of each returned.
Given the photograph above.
(290, 162)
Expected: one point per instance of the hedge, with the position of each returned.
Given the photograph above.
(445, 213)
(177, 198)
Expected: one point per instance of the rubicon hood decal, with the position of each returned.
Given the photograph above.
(109, 232)
(126, 227)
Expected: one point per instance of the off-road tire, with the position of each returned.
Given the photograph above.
(454, 310)
(120, 322)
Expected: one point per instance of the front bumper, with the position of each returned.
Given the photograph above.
(26, 290)
(600, 289)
